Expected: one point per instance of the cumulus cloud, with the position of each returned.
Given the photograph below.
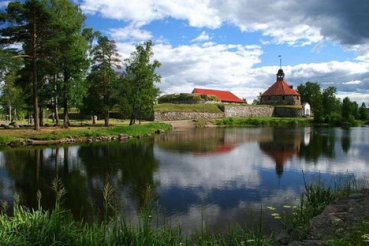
(130, 33)
(202, 63)
(287, 21)
(202, 37)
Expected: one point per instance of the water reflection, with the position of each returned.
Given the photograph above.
(227, 174)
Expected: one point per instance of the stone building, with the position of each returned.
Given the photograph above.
(280, 93)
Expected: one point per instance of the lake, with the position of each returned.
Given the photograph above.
(224, 176)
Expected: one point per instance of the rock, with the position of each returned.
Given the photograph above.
(283, 238)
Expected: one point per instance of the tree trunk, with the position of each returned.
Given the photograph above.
(132, 120)
(106, 117)
(65, 113)
(41, 116)
(34, 75)
(56, 113)
(65, 100)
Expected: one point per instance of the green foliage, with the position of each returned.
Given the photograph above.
(187, 98)
(102, 79)
(137, 85)
(363, 112)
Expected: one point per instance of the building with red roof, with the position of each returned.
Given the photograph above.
(224, 96)
(280, 93)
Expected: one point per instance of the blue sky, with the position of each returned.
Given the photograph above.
(234, 45)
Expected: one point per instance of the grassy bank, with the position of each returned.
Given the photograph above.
(56, 133)
(203, 108)
(57, 227)
(262, 121)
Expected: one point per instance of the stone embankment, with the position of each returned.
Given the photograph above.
(336, 218)
(231, 111)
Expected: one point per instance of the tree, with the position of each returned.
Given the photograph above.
(355, 110)
(103, 76)
(347, 109)
(11, 96)
(310, 92)
(257, 100)
(363, 112)
(67, 50)
(138, 82)
(332, 105)
(26, 23)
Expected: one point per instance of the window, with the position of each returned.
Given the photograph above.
(283, 98)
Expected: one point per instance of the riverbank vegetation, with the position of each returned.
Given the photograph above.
(330, 109)
(56, 133)
(57, 227)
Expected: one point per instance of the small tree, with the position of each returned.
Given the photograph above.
(346, 109)
(138, 83)
(363, 112)
(103, 76)
(310, 92)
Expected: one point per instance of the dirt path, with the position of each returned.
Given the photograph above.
(181, 123)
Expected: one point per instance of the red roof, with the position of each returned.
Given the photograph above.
(224, 96)
(280, 88)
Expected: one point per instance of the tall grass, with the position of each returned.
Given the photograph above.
(57, 227)
(314, 199)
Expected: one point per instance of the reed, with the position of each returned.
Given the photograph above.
(57, 227)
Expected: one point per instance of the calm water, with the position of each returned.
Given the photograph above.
(227, 175)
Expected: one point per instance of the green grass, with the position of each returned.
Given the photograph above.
(56, 133)
(262, 121)
(169, 107)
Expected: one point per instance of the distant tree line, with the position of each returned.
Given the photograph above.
(327, 108)
(48, 60)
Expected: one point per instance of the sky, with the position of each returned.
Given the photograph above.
(235, 44)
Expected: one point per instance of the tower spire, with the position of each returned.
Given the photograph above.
(280, 74)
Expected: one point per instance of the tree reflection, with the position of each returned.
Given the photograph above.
(346, 140)
(84, 170)
(322, 142)
(128, 166)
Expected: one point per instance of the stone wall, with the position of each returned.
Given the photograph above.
(231, 111)
(287, 112)
(281, 100)
(247, 111)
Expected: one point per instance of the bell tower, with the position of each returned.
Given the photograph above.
(280, 75)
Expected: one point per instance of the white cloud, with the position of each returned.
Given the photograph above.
(352, 82)
(130, 33)
(233, 67)
(202, 37)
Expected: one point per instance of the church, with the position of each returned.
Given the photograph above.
(280, 93)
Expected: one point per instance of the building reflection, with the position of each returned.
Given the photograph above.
(284, 145)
